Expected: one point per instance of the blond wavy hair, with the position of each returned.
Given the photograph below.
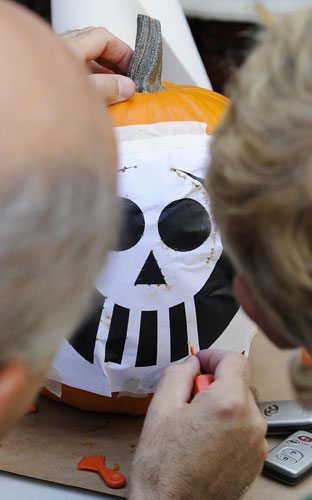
(260, 180)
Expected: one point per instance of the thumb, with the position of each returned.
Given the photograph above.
(176, 384)
(113, 88)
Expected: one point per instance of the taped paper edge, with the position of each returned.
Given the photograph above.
(160, 129)
(53, 381)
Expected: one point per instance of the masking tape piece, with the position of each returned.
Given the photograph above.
(53, 381)
(131, 387)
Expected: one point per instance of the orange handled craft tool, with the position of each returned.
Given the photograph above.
(202, 382)
(306, 358)
(32, 409)
(112, 478)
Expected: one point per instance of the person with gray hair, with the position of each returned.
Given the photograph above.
(57, 196)
(260, 185)
(58, 217)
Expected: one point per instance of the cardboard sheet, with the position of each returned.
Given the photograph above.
(49, 444)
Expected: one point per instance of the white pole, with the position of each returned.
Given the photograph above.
(182, 62)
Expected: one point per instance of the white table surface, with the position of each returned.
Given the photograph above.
(14, 487)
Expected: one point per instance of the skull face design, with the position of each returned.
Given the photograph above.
(168, 245)
(167, 283)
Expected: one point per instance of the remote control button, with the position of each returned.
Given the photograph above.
(306, 439)
(291, 452)
(293, 441)
(271, 410)
(285, 458)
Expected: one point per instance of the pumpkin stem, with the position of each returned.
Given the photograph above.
(146, 63)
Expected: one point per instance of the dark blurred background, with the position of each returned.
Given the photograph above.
(222, 45)
(42, 7)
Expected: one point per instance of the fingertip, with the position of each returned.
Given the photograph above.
(192, 365)
(126, 87)
(176, 383)
(192, 361)
(114, 88)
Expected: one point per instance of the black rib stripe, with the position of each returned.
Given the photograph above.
(117, 334)
(147, 349)
(84, 338)
(215, 303)
(178, 332)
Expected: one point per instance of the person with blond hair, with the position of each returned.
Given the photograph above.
(260, 184)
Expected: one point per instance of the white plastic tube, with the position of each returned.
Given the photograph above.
(181, 64)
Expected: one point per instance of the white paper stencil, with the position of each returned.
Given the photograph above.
(167, 284)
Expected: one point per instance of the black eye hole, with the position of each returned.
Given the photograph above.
(132, 225)
(184, 225)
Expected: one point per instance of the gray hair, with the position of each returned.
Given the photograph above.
(260, 180)
(55, 228)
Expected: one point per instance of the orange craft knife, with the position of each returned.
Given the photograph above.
(32, 409)
(202, 382)
(112, 478)
(306, 358)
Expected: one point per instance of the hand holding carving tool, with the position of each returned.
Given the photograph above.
(202, 381)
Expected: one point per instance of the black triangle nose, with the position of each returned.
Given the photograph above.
(150, 273)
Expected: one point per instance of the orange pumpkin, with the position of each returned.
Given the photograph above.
(90, 401)
(155, 101)
(173, 103)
